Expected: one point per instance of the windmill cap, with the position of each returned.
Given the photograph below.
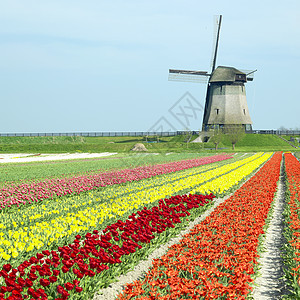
(227, 74)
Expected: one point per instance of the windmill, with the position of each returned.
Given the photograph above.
(225, 103)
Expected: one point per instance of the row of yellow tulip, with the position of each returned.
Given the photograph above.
(224, 183)
(43, 234)
(59, 206)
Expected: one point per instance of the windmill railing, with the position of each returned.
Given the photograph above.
(276, 132)
(94, 134)
(141, 133)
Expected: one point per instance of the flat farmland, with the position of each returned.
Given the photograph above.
(71, 229)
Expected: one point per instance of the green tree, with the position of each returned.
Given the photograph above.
(217, 137)
(187, 136)
(235, 133)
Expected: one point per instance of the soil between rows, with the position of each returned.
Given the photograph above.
(270, 285)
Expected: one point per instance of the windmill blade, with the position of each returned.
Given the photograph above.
(173, 71)
(188, 76)
(205, 116)
(218, 20)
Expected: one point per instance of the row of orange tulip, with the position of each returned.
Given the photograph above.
(218, 257)
(292, 230)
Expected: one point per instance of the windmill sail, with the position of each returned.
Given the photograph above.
(216, 41)
(188, 76)
(206, 108)
(213, 66)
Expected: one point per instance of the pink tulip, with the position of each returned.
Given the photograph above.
(35, 191)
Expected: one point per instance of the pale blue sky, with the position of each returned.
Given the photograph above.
(69, 65)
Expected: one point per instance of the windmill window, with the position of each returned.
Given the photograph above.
(248, 127)
(244, 110)
(217, 111)
(240, 77)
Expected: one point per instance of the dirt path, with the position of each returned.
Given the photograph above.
(269, 284)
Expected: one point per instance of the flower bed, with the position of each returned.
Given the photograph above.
(71, 269)
(292, 230)
(43, 227)
(16, 194)
(222, 184)
(218, 257)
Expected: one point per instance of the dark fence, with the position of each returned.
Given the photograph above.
(98, 134)
(277, 132)
(143, 133)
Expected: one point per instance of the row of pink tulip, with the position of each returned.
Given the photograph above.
(23, 193)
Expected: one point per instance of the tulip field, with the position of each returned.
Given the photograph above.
(292, 233)
(66, 237)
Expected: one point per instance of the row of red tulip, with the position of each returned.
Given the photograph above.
(292, 230)
(49, 274)
(16, 194)
(217, 259)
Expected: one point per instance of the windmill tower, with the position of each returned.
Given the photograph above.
(225, 103)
